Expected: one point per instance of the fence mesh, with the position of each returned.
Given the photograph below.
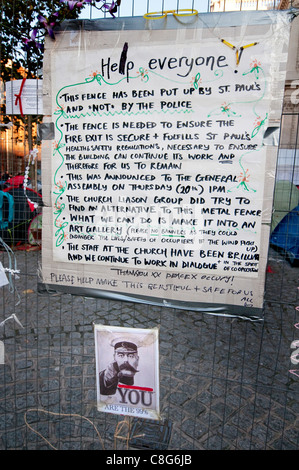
(225, 383)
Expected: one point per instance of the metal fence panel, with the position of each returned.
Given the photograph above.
(225, 383)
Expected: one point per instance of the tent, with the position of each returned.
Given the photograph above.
(285, 221)
(286, 197)
(285, 236)
(16, 213)
(16, 181)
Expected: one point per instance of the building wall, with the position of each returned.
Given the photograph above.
(244, 5)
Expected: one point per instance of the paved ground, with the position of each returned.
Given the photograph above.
(225, 383)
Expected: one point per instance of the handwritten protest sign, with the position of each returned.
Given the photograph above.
(159, 163)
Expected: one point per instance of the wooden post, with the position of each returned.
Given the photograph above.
(33, 173)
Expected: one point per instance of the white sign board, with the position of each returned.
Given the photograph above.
(24, 97)
(161, 175)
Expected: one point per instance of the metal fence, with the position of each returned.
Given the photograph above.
(225, 383)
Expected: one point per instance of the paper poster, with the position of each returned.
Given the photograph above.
(127, 371)
(161, 175)
(24, 97)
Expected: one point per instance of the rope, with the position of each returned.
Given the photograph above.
(60, 415)
(18, 96)
(11, 269)
(120, 426)
(32, 155)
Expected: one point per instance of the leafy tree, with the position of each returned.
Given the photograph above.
(23, 26)
(22, 33)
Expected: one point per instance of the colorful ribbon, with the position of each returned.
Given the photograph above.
(156, 15)
(239, 52)
(18, 96)
(32, 154)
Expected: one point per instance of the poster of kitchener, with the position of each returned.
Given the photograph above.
(127, 371)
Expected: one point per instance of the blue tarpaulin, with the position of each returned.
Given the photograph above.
(285, 236)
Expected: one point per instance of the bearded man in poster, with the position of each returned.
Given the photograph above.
(122, 369)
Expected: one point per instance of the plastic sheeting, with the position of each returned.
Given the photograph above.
(163, 161)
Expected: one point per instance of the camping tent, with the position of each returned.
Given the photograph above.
(285, 220)
(286, 197)
(285, 236)
(16, 213)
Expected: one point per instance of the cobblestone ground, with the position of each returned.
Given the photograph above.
(225, 383)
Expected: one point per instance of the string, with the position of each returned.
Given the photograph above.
(118, 430)
(75, 415)
(163, 14)
(192, 12)
(33, 155)
(14, 317)
(238, 51)
(11, 270)
(294, 354)
(212, 29)
(120, 426)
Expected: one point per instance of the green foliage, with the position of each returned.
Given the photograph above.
(19, 18)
